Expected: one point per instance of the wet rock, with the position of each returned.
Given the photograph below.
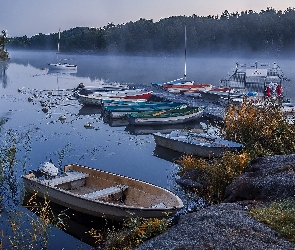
(62, 118)
(224, 226)
(194, 179)
(88, 125)
(45, 110)
(267, 179)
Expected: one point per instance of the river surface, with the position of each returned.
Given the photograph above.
(25, 81)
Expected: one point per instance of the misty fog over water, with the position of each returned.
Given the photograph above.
(144, 69)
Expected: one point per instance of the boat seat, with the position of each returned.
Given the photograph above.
(69, 177)
(160, 205)
(105, 192)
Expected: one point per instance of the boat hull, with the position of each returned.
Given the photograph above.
(202, 149)
(159, 120)
(61, 66)
(116, 112)
(97, 99)
(146, 197)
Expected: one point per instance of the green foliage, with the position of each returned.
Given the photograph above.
(280, 216)
(262, 129)
(274, 31)
(3, 52)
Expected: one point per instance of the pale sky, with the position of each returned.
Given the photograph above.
(30, 17)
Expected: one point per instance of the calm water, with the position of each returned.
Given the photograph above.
(119, 149)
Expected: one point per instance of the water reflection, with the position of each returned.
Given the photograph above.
(62, 72)
(89, 110)
(166, 154)
(3, 75)
(76, 224)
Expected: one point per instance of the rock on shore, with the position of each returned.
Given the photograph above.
(228, 225)
(224, 226)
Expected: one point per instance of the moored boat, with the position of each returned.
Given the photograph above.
(97, 98)
(62, 64)
(119, 111)
(177, 115)
(102, 194)
(199, 144)
(177, 88)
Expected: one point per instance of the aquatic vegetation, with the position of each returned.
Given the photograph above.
(279, 215)
(135, 231)
(31, 232)
(21, 230)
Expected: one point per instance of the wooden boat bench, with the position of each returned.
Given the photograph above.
(105, 192)
(70, 177)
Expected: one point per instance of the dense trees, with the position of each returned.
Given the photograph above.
(3, 52)
(268, 31)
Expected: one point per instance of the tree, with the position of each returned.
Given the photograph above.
(3, 52)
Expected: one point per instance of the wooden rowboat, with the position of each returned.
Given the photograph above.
(177, 115)
(199, 144)
(103, 194)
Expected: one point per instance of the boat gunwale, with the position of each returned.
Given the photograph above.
(120, 206)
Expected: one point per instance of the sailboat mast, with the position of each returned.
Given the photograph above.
(58, 45)
(185, 52)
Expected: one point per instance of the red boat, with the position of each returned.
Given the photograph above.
(97, 98)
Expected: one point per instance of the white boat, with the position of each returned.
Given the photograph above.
(179, 88)
(288, 108)
(97, 98)
(102, 194)
(181, 80)
(255, 73)
(91, 100)
(199, 144)
(86, 90)
(61, 64)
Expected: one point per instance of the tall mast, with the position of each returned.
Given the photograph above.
(185, 52)
(58, 41)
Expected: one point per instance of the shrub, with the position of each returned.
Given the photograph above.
(216, 173)
(263, 129)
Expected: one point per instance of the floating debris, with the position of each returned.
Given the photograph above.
(30, 99)
(19, 90)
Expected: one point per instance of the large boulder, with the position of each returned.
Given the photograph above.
(267, 179)
(223, 226)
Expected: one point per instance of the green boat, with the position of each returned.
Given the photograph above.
(176, 115)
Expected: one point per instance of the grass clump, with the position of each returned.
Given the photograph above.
(280, 216)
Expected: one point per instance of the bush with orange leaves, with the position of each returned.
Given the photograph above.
(263, 129)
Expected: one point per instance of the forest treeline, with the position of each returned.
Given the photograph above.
(270, 30)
